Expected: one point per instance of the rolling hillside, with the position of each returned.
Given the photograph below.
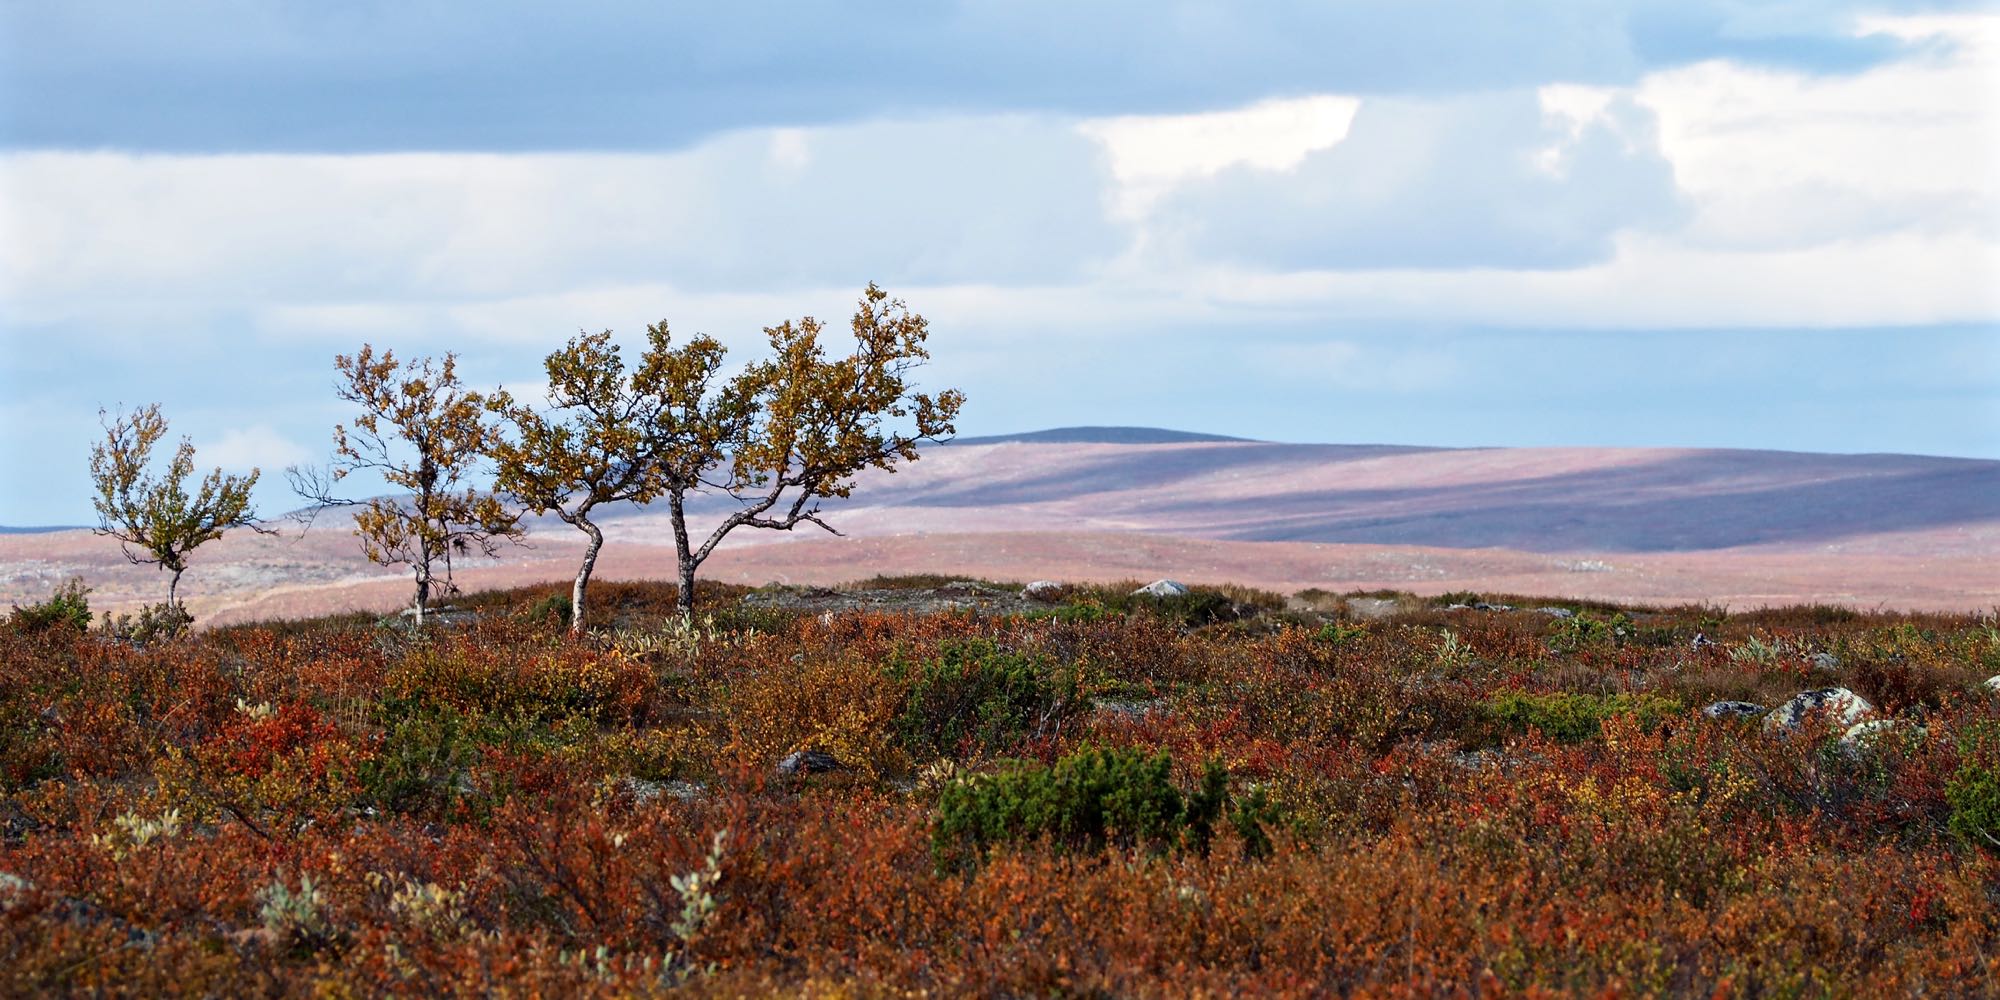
(1740, 527)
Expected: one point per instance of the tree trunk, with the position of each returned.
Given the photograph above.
(427, 475)
(685, 599)
(686, 602)
(423, 577)
(578, 591)
(173, 584)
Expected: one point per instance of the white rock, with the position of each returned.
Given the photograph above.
(1992, 684)
(12, 888)
(1864, 734)
(1162, 588)
(1841, 705)
(1042, 590)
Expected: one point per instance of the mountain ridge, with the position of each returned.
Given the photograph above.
(1738, 526)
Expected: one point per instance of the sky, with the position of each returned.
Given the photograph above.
(1690, 223)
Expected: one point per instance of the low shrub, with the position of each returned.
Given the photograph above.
(1571, 718)
(162, 622)
(1337, 633)
(1088, 801)
(67, 608)
(1974, 793)
(974, 696)
(1583, 629)
(422, 763)
(554, 606)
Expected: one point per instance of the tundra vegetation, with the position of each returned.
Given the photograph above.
(1098, 795)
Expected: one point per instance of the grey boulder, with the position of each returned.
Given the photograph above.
(1838, 703)
(807, 762)
(1734, 710)
(1863, 735)
(1162, 588)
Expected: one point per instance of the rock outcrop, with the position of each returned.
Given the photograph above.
(1838, 703)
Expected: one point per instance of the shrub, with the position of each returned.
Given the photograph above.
(1974, 793)
(66, 608)
(977, 697)
(295, 918)
(1571, 718)
(553, 606)
(1081, 613)
(1335, 633)
(1086, 802)
(423, 761)
(161, 622)
(1585, 629)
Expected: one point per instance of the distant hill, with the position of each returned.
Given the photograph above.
(1097, 435)
(39, 529)
(1735, 527)
(1526, 499)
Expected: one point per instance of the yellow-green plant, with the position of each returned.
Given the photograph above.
(611, 438)
(156, 520)
(808, 425)
(424, 433)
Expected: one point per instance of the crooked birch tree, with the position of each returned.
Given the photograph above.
(797, 428)
(609, 437)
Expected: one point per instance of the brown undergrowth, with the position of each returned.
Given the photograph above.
(1438, 802)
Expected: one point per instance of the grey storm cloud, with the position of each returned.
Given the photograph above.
(220, 75)
(1485, 180)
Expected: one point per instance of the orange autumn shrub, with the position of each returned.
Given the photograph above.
(337, 808)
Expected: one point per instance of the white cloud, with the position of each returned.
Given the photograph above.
(241, 449)
(988, 199)
(1152, 154)
(1490, 180)
(1784, 160)
(1655, 283)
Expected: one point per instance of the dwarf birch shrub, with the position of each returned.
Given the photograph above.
(975, 697)
(1572, 718)
(68, 607)
(1089, 801)
(1974, 793)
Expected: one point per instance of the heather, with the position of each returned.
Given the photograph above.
(1223, 793)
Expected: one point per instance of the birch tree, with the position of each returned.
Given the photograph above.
(610, 438)
(156, 520)
(795, 429)
(425, 434)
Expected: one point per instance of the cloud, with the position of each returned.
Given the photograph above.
(988, 199)
(1152, 154)
(1652, 283)
(216, 75)
(1782, 160)
(241, 449)
(1486, 180)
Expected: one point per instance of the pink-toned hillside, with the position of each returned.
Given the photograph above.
(1740, 528)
